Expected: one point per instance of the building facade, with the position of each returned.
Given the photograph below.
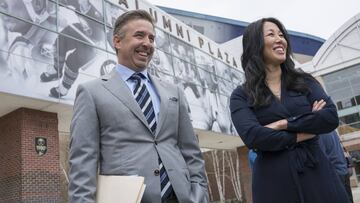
(337, 65)
(48, 47)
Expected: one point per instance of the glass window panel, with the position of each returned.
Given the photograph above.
(161, 75)
(204, 60)
(339, 105)
(336, 85)
(40, 12)
(225, 87)
(355, 80)
(339, 94)
(356, 89)
(346, 103)
(200, 103)
(39, 46)
(90, 8)
(208, 80)
(112, 13)
(109, 40)
(22, 77)
(81, 27)
(75, 62)
(162, 41)
(343, 85)
(161, 64)
(357, 99)
(185, 71)
(182, 50)
(223, 122)
(78, 56)
(223, 70)
(237, 77)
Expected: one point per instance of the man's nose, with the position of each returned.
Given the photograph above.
(148, 43)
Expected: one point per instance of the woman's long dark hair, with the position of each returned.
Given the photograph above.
(252, 61)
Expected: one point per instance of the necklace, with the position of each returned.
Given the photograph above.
(277, 93)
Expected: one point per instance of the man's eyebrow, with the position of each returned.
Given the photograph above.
(139, 32)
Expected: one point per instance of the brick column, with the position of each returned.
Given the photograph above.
(10, 158)
(26, 176)
(246, 174)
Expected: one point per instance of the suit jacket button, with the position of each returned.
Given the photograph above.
(157, 172)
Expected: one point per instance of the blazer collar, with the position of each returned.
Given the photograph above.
(164, 102)
(114, 84)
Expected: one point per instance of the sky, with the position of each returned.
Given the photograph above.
(320, 18)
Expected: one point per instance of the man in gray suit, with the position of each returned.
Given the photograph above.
(129, 123)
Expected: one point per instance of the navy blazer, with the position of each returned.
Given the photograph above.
(294, 106)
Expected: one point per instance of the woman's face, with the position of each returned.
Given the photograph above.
(275, 45)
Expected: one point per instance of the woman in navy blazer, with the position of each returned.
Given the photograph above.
(278, 112)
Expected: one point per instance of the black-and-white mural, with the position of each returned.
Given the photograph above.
(48, 47)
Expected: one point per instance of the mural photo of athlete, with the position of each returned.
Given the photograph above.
(20, 38)
(161, 64)
(3, 43)
(74, 55)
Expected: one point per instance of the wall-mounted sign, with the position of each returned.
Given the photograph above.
(40, 145)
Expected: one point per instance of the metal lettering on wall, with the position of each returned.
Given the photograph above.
(40, 146)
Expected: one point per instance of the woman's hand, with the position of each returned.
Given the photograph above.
(318, 105)
(278, 125)
(304, 136)
(282, 124)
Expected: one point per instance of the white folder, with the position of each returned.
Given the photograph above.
(119, 189)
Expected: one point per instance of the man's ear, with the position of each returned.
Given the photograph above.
(117, 42)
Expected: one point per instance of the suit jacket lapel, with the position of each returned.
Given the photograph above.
(164, 101)
(120, 90)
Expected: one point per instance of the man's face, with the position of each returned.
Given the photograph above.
(136, 45)
(16, 7)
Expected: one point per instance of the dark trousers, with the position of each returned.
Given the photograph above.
(345, 179)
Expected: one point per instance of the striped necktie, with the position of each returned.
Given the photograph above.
(143, 98)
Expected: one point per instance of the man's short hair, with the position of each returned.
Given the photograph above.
(128, 16)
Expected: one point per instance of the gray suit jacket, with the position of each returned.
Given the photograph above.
(109, 132)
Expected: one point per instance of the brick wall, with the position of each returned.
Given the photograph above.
(10, 158)
(36, 178)
(245, 174)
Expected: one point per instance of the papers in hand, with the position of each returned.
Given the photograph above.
(115, 189)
